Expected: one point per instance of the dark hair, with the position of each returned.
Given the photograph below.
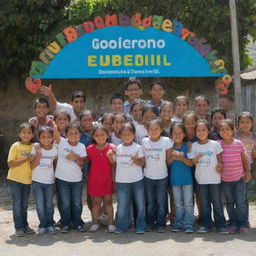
(106, 116)
(218, 110)
(228, 122)
(78, 94)
(61, 112)
(153, 109)
(157, 121)
(228, 96)
(166, 103)
(159, 82)
(97, 127)
(117, 96)
(130, 126)
(85, 113)
(132, 80)
(43, 129)
(42, 101)
(28, 126)
(205, 122)
(73, 125)
(245, 114)
(180, 97)
(190, 113)
(177, 125)
(136, 102)
(201, 97)
(119, 115)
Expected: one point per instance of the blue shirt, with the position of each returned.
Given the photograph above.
(180, 173)
(86, 139)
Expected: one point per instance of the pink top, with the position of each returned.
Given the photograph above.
(233, 169)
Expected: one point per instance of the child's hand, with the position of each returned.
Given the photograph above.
(196, 159)
(177, 155)
(110, 153)
(219, 168)
(30, 157)
(135, 158)
(247, 177)
(71, 156)
(47, 91)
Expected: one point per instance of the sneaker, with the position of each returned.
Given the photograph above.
(94, 228)
(80, 228)
(28, 230)
(64, 229)
(243, 230)
(160, 230)
(148, 229)
(103, 219)
(232, 230)
(19, 232)
(203, 230)
(51, 230)
(41, 231)
(189, 230)
(111, 228)
(140, 231)
(176, 229)
(223, 231)
(118, 231)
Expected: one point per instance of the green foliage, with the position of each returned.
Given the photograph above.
(28, 26)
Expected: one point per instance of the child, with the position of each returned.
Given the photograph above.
(117, 103)
(118, 121)
(86, 122)
(136, 111)
(76, 106)
(42, 108)
(148, 113)
(217, 115)
(226, 102)
(181, 181)
(133, 92)
(157, 151)
(107, 121)
(19, 175)
(157, 91)
(100, 182)
(201, 106)
(43, 178)
(166, 114)
(129, 159)
(180, 107)
(62, 120)
(71, 155)
(205, 154)
(235, 174)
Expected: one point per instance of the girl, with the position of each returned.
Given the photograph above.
(180, 107)
(205, 154)
(100, 183)
(181, 181)
(19, 174)
(43, 178)
(235, 174)
(157, 151)
(217, 115)
(136, 111)
(118, 121)
(107, 121)
(62, 120)
(166, 114)
(129, 159)
(201, 106)
(71, 155)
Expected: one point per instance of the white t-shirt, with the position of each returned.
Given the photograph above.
(155, 155)
(69, 170)
(126, 170)
(115, 140)
(206, 168)
(141, 133)
(68, 108)
(44, 172)
(176, 119)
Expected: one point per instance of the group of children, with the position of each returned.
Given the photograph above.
(143, 151)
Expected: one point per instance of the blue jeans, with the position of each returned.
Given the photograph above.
(211, 195)
(20, 195)
(235, 193)
(43, 194)
(125, 193)
(184, 208)
(156, 202)
(71, 202)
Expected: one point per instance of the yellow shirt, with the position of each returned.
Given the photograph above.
(23, 172)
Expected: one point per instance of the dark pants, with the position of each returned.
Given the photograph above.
(20, 195)
(44, 195)
(71, 202)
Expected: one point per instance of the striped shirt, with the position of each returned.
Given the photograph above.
(233, 169)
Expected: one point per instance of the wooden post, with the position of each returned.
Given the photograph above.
(235, 54)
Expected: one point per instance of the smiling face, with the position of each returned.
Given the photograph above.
(87, 122)
(201, 107)
(46, 139)
(73, 136)
(166, 113)
(202, 132)
(157, 92)
(78, 104)
(225, 131)
(190, 125)
(62, 121)
(117, 106)
(117, 124)
(26, 135)
(245, 124)
(181, 107)
(137, 113)
(154, 131)
(41, 110)
(216, 118)
(133, 92)
(127, 136)
(100, 136)
(178, 135)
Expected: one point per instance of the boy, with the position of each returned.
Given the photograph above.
(157, 90)
(76, 106)
(133, 92)
(117, 103)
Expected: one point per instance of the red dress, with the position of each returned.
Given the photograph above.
(100, 181)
